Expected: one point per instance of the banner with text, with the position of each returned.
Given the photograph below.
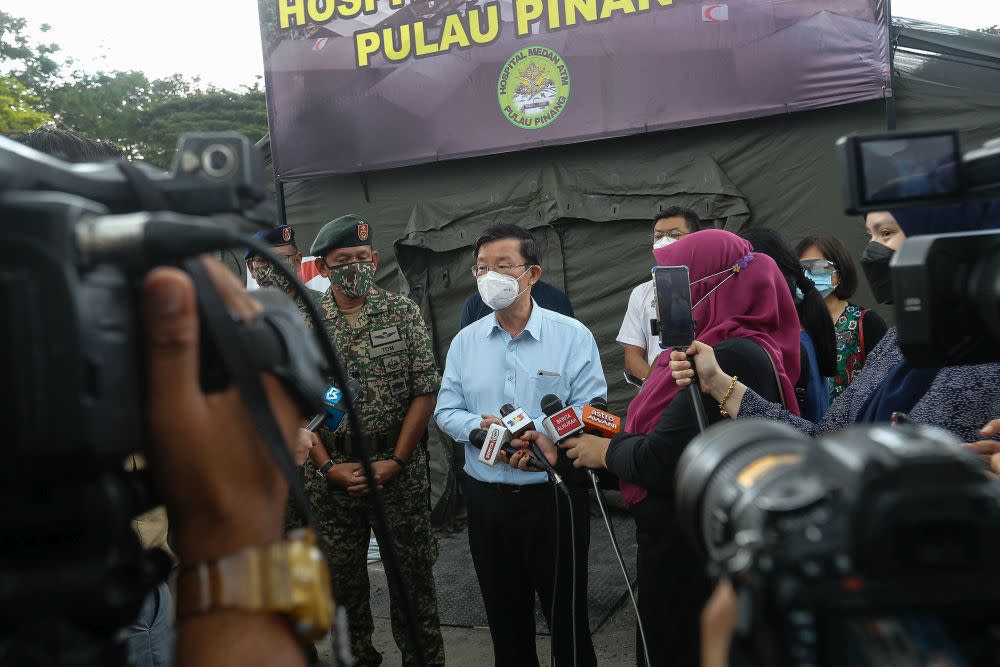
(357, 85)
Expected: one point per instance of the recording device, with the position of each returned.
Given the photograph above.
(560, 422)
(79, 240)
(869, 542)
(335, 406)
(516, 420)
(673, 306)
(946, 288)
(598, 421)
(493, 441)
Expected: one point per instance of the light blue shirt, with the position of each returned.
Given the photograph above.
(485, 368)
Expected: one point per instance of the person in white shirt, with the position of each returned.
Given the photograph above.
(641, 346)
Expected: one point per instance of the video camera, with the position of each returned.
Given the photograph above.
(946, 288)
(78, 240)
(872, 546)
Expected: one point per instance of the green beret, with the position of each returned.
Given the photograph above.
(347, 231)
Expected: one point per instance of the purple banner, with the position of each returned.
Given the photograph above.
(358, 85)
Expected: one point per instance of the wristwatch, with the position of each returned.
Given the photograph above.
(325, 468)
(287, 577)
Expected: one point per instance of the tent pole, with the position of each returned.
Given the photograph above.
(890, 100)
(279, 199)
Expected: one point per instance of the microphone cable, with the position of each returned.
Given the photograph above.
(621, 562)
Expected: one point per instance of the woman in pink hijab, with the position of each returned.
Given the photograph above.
(741, 304)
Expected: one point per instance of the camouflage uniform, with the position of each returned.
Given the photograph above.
(389, 353)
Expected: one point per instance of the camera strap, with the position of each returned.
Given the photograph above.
(241, 366)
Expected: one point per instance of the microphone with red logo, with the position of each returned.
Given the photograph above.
(493, 441)
(598, 421)
(560, 422)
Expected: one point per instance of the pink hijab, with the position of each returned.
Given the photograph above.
(754, 303)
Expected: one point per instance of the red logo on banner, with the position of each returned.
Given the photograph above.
(320, 43)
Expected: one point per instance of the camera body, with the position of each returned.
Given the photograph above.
(868, 541)
(946, 288)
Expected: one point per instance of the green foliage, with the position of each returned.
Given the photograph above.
(18, 108)
(992, 30)
(143, 117)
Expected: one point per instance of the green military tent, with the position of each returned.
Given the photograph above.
(590, 204)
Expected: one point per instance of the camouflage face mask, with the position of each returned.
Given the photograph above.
(266, 276)
(354, 279)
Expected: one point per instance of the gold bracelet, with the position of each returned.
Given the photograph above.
(729, 392)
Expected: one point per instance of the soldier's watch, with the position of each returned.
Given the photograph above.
(287, 577)
(325, 468)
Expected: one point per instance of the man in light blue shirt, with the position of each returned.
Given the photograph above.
(517, 355)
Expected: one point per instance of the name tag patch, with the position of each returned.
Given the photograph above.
(382, 350)
(384, 336)
(398, 386)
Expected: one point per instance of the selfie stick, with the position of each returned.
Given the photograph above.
(695, 392)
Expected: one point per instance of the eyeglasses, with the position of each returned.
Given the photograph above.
(818, 266)
(675, 234)
(483, 269)
(291, 260)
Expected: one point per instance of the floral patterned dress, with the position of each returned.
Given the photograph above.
(851, 351)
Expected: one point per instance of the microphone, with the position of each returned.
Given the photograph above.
(335, 406)
(598, 421)
(560, 423)
(493, 441)
(516, 420)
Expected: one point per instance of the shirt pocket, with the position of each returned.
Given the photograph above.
(539, 386)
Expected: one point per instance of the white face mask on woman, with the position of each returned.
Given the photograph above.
(498, 289)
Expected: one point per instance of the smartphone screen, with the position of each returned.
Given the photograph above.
(673, 306)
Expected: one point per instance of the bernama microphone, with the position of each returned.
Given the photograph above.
(335, 406)
(493, 441)
(516, 420)
(598, 421)
(560, 422)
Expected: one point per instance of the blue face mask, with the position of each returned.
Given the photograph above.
(824, 283)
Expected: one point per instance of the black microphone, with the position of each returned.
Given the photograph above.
(516, 420)
(493, 441)
(560, 422)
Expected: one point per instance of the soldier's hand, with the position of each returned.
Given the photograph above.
(346, 475)
(487, 420)
(386, 471)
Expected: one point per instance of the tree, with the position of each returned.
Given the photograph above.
(18, 108)
(992, 30)
(32, 65)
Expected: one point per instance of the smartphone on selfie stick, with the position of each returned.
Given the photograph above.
(676, 323)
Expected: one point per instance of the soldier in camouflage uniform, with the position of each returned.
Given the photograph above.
(384, 344)
(281, 238)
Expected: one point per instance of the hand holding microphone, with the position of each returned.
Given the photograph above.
(589, 448)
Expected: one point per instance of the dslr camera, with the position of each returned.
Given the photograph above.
(946, 287)
(873, 546)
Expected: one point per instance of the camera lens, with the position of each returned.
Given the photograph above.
(218, 161)
(723, 474)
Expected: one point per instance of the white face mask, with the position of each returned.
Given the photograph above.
(663, 242)
(498, 289)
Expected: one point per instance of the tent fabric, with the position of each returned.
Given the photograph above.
(591, 204)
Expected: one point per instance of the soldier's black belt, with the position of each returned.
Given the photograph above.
(378, 442)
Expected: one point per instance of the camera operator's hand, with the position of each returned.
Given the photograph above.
(988, 449)
(587, 451)
(222, 489)
(522, 457)
(718, 623)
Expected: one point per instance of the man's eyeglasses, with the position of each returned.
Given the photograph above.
(292, 260)
(675, 234)
(482, 269)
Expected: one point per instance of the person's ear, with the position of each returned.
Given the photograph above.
(375, 260)
(536, 274)
(321, 267)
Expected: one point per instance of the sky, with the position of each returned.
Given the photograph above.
(224, 47)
